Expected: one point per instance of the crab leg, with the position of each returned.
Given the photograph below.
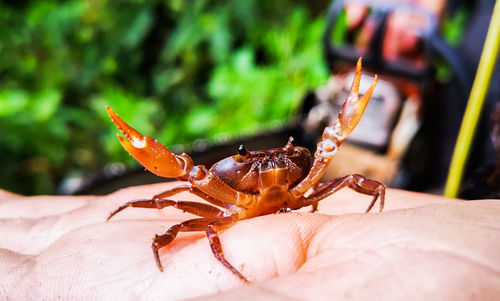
(357, 183)
(216, 247)
(160, 241)
(198, 224)
(334, 135)
(196, 208)
(193, 190)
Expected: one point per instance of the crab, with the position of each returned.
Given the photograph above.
(250, 183)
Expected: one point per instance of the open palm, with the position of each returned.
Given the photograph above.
(420, 246)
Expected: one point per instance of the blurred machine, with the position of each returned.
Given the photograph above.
(395, 127)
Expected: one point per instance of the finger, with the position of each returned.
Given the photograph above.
(354, 14)
(401, 36)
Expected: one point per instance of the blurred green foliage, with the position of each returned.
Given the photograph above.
(176, 70)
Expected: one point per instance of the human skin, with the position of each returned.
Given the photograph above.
(400, 36)
(420, 247)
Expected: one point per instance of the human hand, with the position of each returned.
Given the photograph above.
(421, 246)
(403, 30)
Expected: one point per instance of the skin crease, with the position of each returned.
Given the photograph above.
(421, 246)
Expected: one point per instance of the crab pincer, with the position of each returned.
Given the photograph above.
(153, 155)
(354, 106)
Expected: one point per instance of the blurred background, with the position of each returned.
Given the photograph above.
(195, 75)
(177, 70)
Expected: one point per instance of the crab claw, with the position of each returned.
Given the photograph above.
(150, 153)
(354, 106)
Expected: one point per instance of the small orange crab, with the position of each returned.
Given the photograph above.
(251, 183)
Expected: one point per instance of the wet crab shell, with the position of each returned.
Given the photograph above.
(258, 170)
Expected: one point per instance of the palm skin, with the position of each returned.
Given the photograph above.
(421, 246)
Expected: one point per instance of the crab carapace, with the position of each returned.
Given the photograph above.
(250, 183)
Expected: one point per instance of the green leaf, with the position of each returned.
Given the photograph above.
(44, 104)
(12, 102)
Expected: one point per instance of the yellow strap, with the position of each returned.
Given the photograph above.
(474, 105)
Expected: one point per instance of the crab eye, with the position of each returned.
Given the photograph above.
(242, 151)
(289, 149)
